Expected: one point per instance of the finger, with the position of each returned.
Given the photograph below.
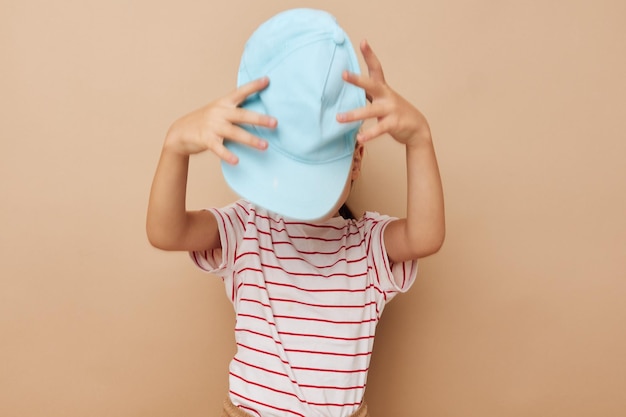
(373, 132)
(224, 154)
(374, 66)
(372, 87)
(240, 94)
(240, 135)
(240, 115)
(359, 80)
(235, 134)
(362, 113)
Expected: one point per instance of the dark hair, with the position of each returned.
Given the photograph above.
(346, 213)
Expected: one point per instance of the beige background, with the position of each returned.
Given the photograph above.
(523, 311)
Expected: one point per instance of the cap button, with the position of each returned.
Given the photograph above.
(338, 36)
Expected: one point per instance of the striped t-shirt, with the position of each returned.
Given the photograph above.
(307, 298)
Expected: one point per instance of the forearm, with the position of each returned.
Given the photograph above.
(166, 220)
(425, 220)
(422, 232)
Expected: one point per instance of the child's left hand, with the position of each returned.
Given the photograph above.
(422, 231)
(395, 115)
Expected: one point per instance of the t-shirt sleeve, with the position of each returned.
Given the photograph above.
(231, 222)
(389, 277)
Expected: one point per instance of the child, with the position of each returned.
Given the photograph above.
(307, 285)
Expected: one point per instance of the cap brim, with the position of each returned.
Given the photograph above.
(281, 185)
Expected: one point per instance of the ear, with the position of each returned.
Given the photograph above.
(357, 158)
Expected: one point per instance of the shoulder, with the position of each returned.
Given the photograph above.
(372, 219)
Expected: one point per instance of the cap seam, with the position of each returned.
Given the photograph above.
(286, 51)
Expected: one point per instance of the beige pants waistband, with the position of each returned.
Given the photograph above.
(231, 410)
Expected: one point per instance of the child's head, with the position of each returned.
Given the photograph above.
(304, 172)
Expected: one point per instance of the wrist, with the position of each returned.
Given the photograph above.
(420, 138)
(172, 146)
(173, 143)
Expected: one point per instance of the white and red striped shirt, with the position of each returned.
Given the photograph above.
(307, 299)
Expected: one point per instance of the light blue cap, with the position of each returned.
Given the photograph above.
(302, 173)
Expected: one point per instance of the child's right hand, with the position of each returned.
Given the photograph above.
(206, 128)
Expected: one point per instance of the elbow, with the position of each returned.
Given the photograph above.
(437, 240)
(436, 245)
(411, 243)
(161, 244)
(424, 246)
(157, 239)
(429, 248)
(154, 241)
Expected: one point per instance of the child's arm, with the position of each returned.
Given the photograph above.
(169, 225)
(422, 232)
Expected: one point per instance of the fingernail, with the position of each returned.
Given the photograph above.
(341, 117)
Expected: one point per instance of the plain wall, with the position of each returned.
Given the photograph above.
(521, 313)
